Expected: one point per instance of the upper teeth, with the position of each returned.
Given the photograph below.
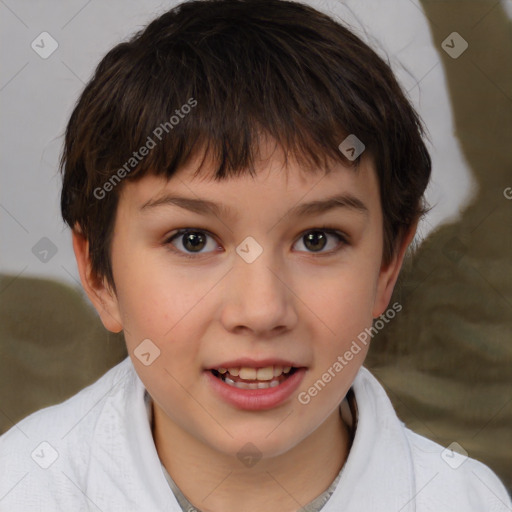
(267, 373)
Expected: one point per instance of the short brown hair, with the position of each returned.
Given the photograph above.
(275, 67)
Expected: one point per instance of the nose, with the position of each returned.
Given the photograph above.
(259, 297)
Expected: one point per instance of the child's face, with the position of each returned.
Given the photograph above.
(290, 304)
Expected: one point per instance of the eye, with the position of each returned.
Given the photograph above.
(192, 240)
(317, 239)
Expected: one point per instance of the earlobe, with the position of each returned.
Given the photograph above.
(389, 274)
(102, 297)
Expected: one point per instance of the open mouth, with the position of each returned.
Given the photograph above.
(254, 378)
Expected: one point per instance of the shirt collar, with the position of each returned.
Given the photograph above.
(366, 480)
(378, 473)
(348, 413)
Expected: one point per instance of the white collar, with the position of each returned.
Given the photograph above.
(378, 473)
(366, 481)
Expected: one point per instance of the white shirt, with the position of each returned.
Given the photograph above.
(95, 452)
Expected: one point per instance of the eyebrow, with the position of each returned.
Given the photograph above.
(205, 207)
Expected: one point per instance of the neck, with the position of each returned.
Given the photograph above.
(214, 481)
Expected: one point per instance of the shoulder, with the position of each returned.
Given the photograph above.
(58, 417)
(54, 444)
(452, 480)
(442, 479)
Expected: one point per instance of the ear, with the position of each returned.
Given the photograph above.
(99, 293)
(389, 274)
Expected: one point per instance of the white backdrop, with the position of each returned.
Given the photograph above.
(37, 96)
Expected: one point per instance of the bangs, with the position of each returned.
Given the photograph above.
(221, 95)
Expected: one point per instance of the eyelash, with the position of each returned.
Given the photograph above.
(343, 239)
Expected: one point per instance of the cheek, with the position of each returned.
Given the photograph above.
(156, 301)
(342, 305)
(157, 306)
(343, 299)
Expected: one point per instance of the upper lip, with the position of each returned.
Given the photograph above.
(247, 362)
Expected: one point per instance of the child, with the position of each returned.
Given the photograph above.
(251, 130)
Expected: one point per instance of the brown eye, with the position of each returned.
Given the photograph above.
(316, 240)
(192, 242)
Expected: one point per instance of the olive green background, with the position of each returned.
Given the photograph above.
(445, 360)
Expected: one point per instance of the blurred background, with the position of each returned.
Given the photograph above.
(445, 359)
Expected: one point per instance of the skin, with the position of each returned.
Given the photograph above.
(291, 302)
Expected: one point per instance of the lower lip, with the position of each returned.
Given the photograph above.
(256, 399)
